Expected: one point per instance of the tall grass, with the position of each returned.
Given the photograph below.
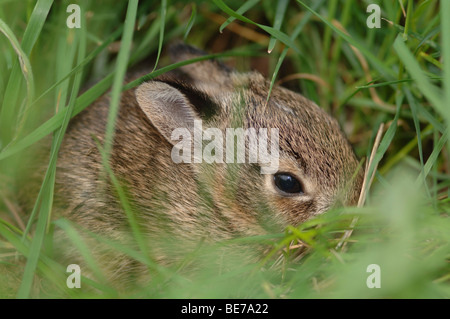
(396, 77)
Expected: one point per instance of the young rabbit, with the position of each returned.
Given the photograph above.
(193, 201)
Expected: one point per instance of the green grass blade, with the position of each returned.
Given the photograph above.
(401, 154)
(431, 161)
(93, 93)
(282, 37)
(54, 123)
(38, 239)
(419, 109)
(65, 117)
(431, 92)
(279, 16)
(81, 245)
(80, 66)
(48, 267)
(242, 9)
(144, 47)
(409, 13)
(162, 23)
(377, 63)
(121, 67)
(8, 113)
(414, 110)
(152, 75)
(25, 67)
(191, 21)
(283, 54)
(45, 197)
(445, 27)
(390, 83)
(35, 24)
(135, 228)
(387, 138)
(337, 46)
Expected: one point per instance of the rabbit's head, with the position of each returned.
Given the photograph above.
(296, 161)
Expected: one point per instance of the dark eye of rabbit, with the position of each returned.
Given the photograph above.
(287, 183)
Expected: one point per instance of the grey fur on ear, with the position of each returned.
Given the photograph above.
(166, 107)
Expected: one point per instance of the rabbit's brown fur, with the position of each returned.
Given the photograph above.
(190, 202)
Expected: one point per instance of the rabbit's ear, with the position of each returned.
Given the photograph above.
(166, 107)
(209, 73)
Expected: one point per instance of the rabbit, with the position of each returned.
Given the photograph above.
(191, 201)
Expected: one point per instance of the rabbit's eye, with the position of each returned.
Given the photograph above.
(287, 183)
